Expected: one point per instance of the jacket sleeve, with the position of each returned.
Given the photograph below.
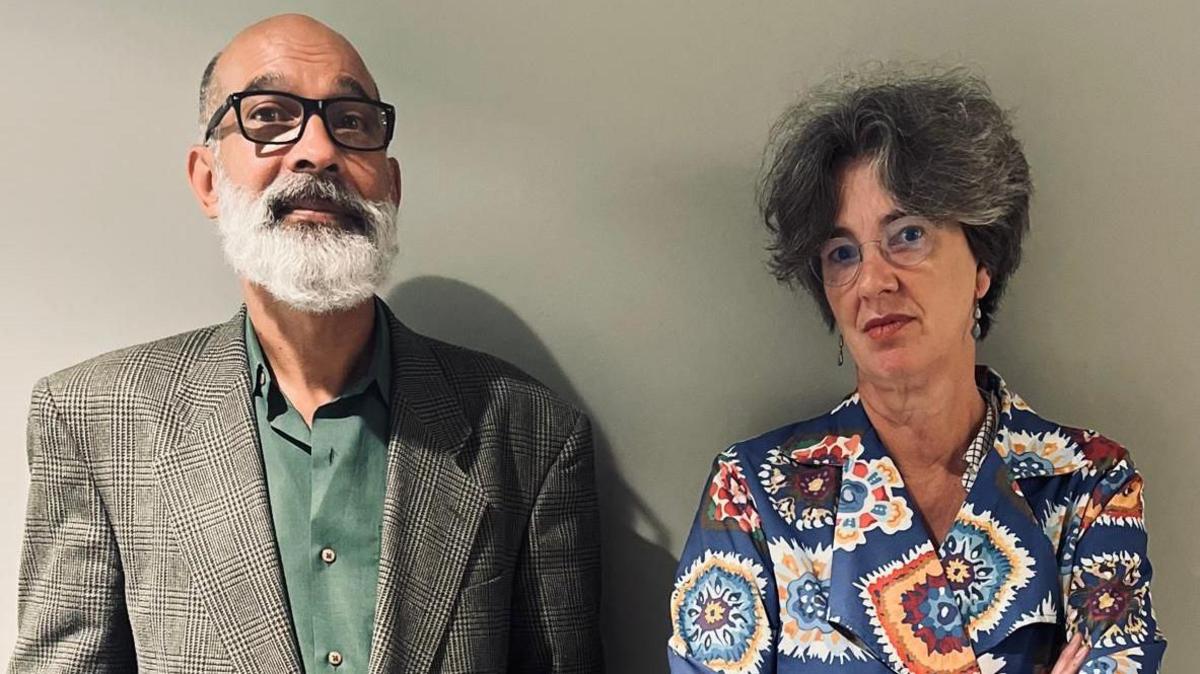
(556, 597)
(724, 596)
(1108, 591)
(71, 611)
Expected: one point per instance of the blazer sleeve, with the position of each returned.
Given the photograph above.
(71, 611)
(724, 596)
(556, 598)
(1108, 595)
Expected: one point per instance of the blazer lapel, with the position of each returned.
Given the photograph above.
(214, 487)
(432, 511)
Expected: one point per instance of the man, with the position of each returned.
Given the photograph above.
(310, 486)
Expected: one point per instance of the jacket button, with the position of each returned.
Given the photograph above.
(335, 658)
(328, 555)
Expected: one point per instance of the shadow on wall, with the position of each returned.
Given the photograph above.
(638, 573)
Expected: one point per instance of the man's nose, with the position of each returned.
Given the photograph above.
(875, 275)
(315, 152)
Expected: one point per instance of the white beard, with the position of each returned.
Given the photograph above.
(310, 267)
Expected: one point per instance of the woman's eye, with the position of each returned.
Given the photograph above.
(843, 254)
(909, 235)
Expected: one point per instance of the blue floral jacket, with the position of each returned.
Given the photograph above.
(807, 554)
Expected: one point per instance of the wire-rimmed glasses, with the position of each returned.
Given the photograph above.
(906, 242)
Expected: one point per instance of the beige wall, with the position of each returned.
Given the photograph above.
(578, 199)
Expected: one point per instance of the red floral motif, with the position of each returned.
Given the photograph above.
(1098, 450)
(730, 500)
(832, 449)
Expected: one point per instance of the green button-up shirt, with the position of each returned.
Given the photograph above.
(326, 486)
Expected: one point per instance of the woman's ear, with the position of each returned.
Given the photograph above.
(983, 281)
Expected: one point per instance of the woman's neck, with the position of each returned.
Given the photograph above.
(925, 421)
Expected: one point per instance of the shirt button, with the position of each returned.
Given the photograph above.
(329, 557)
(335, 658)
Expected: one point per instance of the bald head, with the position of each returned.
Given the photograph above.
(299, 44)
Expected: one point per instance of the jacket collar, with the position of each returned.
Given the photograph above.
(924, 609)
(213, 484)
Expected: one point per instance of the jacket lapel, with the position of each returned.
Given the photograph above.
(432, 511)
(214, 487)
(887, 584)
(1000, 562)
(921, 609)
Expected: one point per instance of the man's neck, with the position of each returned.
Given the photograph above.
(312, 356)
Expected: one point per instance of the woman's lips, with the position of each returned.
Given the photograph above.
(882, 328)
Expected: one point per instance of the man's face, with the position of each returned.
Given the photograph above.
(306, 59)
(311, 222)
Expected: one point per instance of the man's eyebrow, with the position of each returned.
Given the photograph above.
(344, 84)
(347, 83)
(264, 81)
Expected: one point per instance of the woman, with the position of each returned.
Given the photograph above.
(932, 522)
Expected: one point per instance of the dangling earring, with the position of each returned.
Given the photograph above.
(977, 329)
(841, 350)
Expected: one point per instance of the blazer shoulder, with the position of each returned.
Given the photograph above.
(151, 368)
(481, 379)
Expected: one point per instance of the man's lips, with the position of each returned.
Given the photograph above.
(311, 206)
(886, 326)
(319, 211)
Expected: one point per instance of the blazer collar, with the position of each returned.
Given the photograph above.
(432, 511)
(924, 609)
(213, 483)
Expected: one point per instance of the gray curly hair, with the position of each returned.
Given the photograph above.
(942, 148)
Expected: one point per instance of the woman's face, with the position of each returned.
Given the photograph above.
(901, 322)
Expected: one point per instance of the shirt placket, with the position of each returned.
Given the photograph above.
(328, 553)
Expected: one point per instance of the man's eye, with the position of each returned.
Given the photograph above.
(349, 122)
(268, 114)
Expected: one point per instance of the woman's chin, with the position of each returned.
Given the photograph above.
(893, 363)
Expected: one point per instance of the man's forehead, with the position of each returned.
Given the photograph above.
(341, 84)
(296, 54)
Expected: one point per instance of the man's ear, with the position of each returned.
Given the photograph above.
(200, 169)
(394, 167)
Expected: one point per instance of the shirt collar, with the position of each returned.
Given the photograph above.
(379, 371)
(979, 446)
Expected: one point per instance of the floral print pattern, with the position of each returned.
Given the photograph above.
(808, 554)
(802, 581)
(717, 614)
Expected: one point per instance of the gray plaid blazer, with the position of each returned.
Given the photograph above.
(149, 544)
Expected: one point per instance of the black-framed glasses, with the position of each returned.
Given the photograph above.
(906, 242)
(279, 118)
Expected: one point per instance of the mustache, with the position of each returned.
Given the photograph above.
(282, 197)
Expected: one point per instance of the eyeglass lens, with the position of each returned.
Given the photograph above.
(272, 118)
(905, 242)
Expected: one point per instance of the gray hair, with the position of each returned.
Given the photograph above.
(942, 148)
(208, 93)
